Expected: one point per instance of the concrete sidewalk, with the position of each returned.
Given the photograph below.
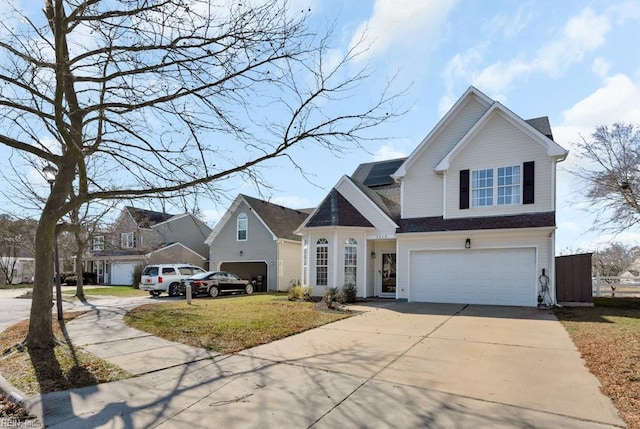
(395, 365)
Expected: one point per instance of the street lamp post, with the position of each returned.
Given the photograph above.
(50, 173)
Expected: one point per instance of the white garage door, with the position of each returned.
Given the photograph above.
(493, 277)
(122, 273)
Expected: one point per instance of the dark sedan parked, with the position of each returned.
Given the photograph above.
(215, 282)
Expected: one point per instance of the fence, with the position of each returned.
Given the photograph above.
(616, 286)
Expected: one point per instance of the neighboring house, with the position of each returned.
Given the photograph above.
(142, 237)
(20, 267)
(255, 240)
(468, 217)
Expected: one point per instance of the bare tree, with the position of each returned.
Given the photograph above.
(612, 175)
(614, 259)
(171, 97)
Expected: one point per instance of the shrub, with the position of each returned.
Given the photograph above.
(330, 295)
(294, 293)
(307, 293)
(137, 275)
(348, 294)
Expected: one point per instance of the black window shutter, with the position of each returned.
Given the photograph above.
(464, 189)
(528, 182)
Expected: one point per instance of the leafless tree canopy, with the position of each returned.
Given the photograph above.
(166, 97)
(612, 175)
(614, 259)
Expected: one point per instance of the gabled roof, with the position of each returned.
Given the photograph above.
(335, 210)
(471, 93)
(147, 218)
(280, 221)
(553, 149)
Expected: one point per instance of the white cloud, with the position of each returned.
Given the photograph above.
(387, 152)
(600, 67)
(398, 23)
(581, 35)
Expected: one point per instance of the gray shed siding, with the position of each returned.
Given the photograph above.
(259, 246)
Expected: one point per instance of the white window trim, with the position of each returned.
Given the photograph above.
(495, 187)
(127, 240)
(325, 245)
(351, 243)
(245, 218)
(97, 243)
(519, 185)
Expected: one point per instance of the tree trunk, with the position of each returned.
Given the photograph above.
(79, 275)
(40, 335)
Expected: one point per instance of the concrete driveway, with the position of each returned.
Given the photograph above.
(393, 366)
(437, 363)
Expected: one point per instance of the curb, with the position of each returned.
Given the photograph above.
(14, 394)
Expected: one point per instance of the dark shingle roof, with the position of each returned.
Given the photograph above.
(147, 218)
(541, 124)
(282, 221)
(432, 224)
(335, 210)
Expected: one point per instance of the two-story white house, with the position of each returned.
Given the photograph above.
(468, 217)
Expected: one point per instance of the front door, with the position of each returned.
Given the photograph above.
(389, 274)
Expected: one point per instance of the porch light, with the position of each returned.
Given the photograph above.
(373, 254)
(467, 243)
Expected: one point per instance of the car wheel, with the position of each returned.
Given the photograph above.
(173, 289)
(248, 289)
(154, 293)
(214, 291)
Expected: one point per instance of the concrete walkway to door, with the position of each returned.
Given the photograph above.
(392, 366)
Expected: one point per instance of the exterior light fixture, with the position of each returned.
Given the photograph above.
(241, 253)
(50, 173)
(373, 254)
(467, 243)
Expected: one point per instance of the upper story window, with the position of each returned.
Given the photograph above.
(509, 185)
(482, 188)
(243, 224)
(487, 192)
(322, 262)
(98, 243)
(127, 240)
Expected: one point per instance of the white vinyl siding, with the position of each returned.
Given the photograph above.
(500, 144)
(422, 188)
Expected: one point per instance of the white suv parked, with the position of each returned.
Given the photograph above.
(166, 277)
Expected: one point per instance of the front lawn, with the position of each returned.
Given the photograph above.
(229, 324)
(608, 337)
(124, 291)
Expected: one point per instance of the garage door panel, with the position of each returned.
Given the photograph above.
(482, 276)
(122, 273)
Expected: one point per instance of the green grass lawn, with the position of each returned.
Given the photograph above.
(608, 338)
(18, 286)
(110, 291)
(230, 324)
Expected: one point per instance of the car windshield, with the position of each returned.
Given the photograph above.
(150, 271)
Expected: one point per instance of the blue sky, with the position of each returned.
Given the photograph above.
(576, 62)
